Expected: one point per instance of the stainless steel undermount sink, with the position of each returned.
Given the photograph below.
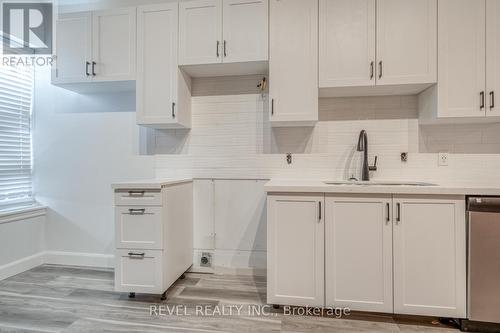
(379, 183)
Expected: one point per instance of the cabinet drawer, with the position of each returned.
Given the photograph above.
(138, 197)
(139, 271)
(138, 227)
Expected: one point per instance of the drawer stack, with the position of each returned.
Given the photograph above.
(153, 237)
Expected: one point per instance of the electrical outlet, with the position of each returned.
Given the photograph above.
(443, 159)
(206, 259)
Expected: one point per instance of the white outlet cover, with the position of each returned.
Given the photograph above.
(443, 159)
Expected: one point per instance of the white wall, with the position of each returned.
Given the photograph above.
(83, 143)
(22, 242)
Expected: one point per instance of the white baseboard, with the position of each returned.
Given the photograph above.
(21, 265)
(226, 262)
(79, 259)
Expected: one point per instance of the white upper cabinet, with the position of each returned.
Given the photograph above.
(430, 256)
(358, 252)
(96, 46)
(295, 249)
(73, 48)
(200, 26)
(389, 44)
(293, 62)
(223, 31)
(245, 30)
(406, 42)
(162, 94)
(346, 43)
(493, 57)
(114, 44)
(462, 54)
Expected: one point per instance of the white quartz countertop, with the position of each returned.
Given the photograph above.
(150, 184)
(319, 186)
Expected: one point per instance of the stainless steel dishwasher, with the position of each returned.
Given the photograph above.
(483, 265)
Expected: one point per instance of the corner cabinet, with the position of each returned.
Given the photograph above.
(430, 256)
(96, 46)
(293, 62)
(163, 90)
(295, 249)
(360, 53)
(387, 253)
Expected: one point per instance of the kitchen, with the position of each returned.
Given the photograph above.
(243, 119)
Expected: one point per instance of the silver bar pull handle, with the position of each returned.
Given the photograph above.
(481, 95)
(136, 254)
(372, 70)
(136, 193)
(319, 211)
(272, 106)
(380, 67)
(93, 68)
(225, 53)
(87, 64)
(492, 100)
(173, 109)
(217, 49)
(137, 211)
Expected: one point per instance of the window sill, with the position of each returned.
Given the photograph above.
(22, 212)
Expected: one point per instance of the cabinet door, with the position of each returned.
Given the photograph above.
(493, 57)
(295, 250)
(73, 48)
(430, 256)
(347, 43)
(461, 54)
(406, 41)
(245, 30)
(157, 32)
(114, 44)
(293, 62)
(358, 250)
(200, 32)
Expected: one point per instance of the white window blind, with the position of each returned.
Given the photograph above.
(16, 95)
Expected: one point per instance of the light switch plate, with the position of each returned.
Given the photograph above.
(443, 159)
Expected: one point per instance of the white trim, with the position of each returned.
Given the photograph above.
(79, 259)
(21, 265)
(22, 213)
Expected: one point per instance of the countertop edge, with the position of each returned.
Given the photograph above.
(318, 187)
(154, 184)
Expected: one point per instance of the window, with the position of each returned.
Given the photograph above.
(16, 95)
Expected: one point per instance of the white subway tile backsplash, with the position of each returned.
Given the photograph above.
(231, 138)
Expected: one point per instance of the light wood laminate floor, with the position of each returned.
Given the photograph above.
(54, 298)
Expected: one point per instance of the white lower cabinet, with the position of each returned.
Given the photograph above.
(153, 237)
(295, 249)
(358, 252)
(382, 253)
(430, 256)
